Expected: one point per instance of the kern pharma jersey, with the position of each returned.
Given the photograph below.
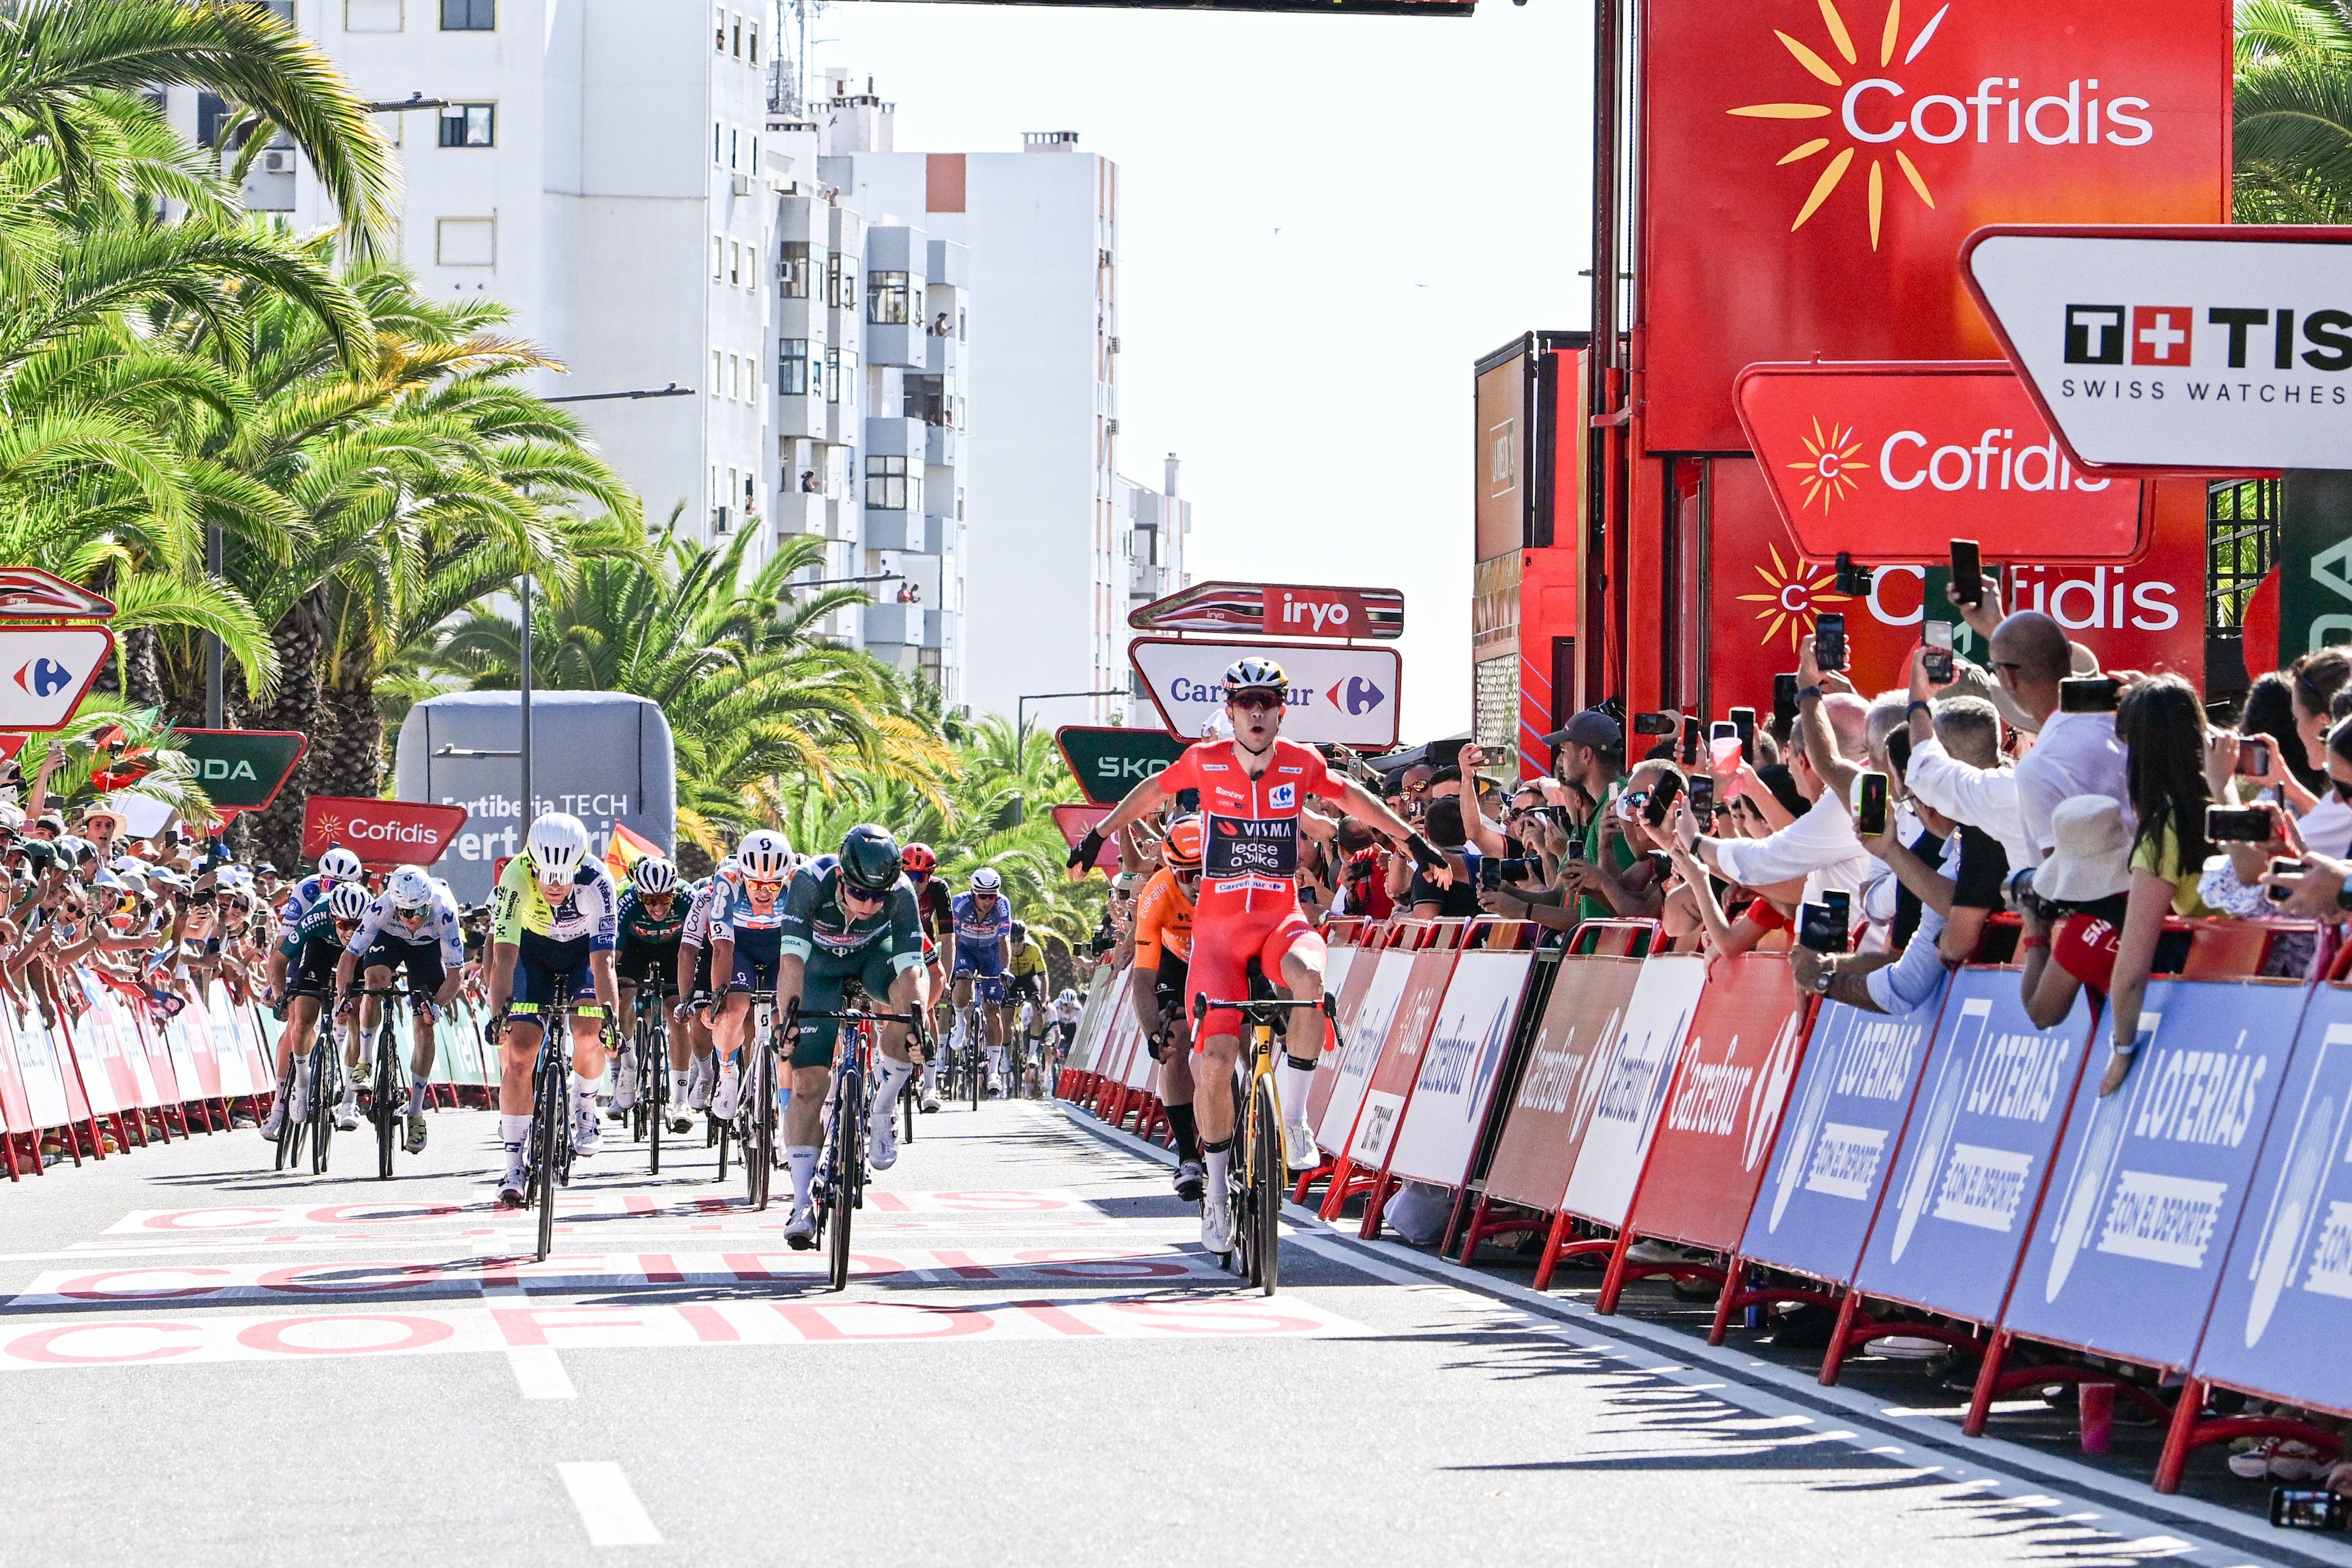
(1252, 852)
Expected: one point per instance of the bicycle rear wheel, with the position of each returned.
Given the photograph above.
(548, 1111)
(384, 1096)
(760, 1146)
(326, 1091)
(653, 1088)
(975, 1056)
(848, 1154)
(1267, 1172)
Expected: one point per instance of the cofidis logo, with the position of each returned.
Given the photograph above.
(1881, 112)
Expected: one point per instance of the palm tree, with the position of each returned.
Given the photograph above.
(61, 61)
(2293, 111)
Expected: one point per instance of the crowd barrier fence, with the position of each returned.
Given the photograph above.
(1951, 1173)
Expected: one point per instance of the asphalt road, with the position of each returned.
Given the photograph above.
(1035, 1365)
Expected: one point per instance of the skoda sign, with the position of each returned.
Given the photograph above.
(242, 770)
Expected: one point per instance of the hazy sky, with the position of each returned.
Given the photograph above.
(1323, 221)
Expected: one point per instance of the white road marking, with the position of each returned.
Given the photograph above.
(608, 1505)
(540, 1373)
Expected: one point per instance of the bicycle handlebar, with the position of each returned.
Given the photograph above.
(1202, 1004)
(852, 1015)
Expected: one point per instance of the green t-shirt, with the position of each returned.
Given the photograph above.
(1590, 906)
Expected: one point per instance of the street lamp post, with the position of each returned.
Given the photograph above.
(1021, 712)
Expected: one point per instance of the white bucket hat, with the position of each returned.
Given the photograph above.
(2092, 859)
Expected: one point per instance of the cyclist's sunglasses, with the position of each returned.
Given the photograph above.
(856, 894)
(759, 883)
(1255, 702)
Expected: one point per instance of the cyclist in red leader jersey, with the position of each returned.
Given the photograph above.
(1252, 788)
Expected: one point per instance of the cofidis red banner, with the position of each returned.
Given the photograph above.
(1811, 167)
(1893, 462)
(2150, 1180)
(1708, 1157)
(380, 832)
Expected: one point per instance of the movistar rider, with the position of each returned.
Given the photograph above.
(413, 925)
(983, 922)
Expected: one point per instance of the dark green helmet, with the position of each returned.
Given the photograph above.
(869, 857)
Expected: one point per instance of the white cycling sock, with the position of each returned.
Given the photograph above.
(1292, 1083)
(931, 1077)
(514, 1131)
(583, 1089)
(890, 1077)
(804, 1162)
(350, 1088)
(1220, 1161)
(417, 1087)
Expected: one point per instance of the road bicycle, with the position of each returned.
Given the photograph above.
(761, 1107)
(1257, 1176)
(388, 1090)
(971, 1062)
(649, 1048)
(324, 1075)
(548, 1155)
(840, 1187)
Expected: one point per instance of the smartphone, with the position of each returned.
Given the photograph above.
(1870, 813)
(2283, 865)
(1784, 701)
(1853, 581)
(1691, 728)
(1829, 641)
(1937, 660)
(2089, 694)
(1702, 798)
(1968, 572)
(1822, 927)
(1743, 724)
(1575, 846)
(2309, 1507)
(1663, 795)
(2237, 825)
(1490, 874)
(2253, 757)
(1657, 723)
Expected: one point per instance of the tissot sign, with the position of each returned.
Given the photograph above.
(2203, 348)
(1892, 462)
(1813, 165)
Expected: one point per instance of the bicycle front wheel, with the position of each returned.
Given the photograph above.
(1267, 1172)
(759, 1143)
(383, 1096)
(326, 1093)
(848, 1152)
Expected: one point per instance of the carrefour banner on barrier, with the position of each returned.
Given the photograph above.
(2150, 1181)
(2284, 1314)
(1365, 1034)
(1724, 1104)
(1553, 1105)
(1632, 1083)
(1458, 1072)
(1977, 1152)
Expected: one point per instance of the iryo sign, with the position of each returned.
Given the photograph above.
(1892, 462)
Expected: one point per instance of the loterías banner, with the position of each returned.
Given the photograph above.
(380, 832)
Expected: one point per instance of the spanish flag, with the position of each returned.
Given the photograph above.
(621, 857)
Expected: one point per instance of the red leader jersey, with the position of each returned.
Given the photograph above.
(1250, 863)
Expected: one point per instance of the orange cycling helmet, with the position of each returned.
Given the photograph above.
(1181, 847)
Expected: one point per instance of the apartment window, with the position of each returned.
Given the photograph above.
(886, 484)
(718, 257)
(466, 242)
(718, 134)
(793, 268)
(749, 479)
(718, 388)
(734, 263)
(751, 265)
(832, 375)
(371, 16)
(734, 147)
(469, 125)
(841, 283)
(470, 15)
(281, 9)
(754, 41)
(719, 28)
(793, 367)
(930, 399)
(893, 298)
(738, 34)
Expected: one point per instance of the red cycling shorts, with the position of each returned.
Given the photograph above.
(1226, 937)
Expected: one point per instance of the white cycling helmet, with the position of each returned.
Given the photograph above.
(1067, 997)
(766, 855)
(340, 865)
(350, 900)
(1253, 673)
(558, 844)
(655, 876)
(409, 889)
(985, 880)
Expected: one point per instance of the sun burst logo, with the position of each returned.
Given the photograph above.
(330, 828)
(1796, 590)
(1835, 173)
(1831, 463)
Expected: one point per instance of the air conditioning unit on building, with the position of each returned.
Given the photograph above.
(278, 160)
(1111, 426)
(742, 184)
(718, 521)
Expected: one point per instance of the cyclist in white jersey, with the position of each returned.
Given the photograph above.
(412, 925)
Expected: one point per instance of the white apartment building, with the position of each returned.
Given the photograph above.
(598, 166)
(1155, 527)
(1047, 577)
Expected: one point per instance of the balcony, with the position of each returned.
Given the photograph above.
(895, 437)
(897, 343)
(801, 414)
(802, 512)
(902, 625)
(942, 445)
(907, 531)
(944, 352)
